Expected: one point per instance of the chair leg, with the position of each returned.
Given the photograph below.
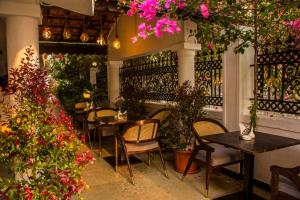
(163, 163)
(149, 158)
(189, 164)
(208, 171)
(129, 166)
(100, 143)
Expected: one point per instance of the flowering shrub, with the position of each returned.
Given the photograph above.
(220, 21)
(40, 145)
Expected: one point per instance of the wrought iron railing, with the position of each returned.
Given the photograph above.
(278, 82)
(208, 73)
(157, 74)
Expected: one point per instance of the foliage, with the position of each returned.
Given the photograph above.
(133, 100)
(188, 107)
(71, 73)
(40, 144)
(221, 21)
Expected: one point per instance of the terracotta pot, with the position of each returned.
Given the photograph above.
(181, 160)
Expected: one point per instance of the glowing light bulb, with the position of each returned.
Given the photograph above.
(101, 40)
(116, 43)
(84, 37)
(67, 34)
(47, 33)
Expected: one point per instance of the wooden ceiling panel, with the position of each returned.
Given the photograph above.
(56, 19)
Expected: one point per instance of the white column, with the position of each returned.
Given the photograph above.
(231, 89)
(93, 75)
(113, 80)
(21, 32)
(186, 66)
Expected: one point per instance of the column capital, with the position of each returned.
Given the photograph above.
(114, 63)
(186, 46)
(11, 8)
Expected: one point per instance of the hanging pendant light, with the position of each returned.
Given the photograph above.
(116, 43)
(101, 40)
(84, 37)
(67, 33)
(46, 31)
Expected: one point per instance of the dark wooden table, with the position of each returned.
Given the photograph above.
(112, 121)
(263, 142)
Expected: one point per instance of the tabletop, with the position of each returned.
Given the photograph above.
(263, 142)
(111, 120)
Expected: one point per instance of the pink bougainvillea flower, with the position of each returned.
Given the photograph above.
(210, 46)
(134, 39)
(179, 3)
(204, 10)
(165, 25)
(132, 8)
(149, 9)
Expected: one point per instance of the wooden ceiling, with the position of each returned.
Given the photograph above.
(57, 19)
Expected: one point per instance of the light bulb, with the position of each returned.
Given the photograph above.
(47, 33)
(101, 40)
(116, 43)
(67, 34)
(84, 37)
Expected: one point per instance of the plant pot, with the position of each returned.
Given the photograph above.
(181, 161)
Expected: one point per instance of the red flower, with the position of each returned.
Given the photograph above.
(27, 193)
(17, 143)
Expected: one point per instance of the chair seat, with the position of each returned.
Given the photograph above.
(221, 155)
(139, 147)
(288, 187)
(108, 130)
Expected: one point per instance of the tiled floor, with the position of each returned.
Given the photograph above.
(151, 184)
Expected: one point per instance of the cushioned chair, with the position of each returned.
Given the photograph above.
(90, 125)
(140, 137)
(78, 116)
(161, 114)
(105, 130)
(212, 155)
(285, 183)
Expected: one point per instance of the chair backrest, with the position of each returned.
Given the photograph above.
(106, 112)
(80, 105)
(141, 131)
(208, 126)
(161, 114)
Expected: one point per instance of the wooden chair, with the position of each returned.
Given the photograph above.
(90, 124)
(161, 114)
(105, 130)
(285, 183)
(79, 108)
(214, 156)
(139, 138)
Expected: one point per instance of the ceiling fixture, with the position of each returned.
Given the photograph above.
(84, 37)
(67, 33)
(46, 30)
(116, 43)
(101, 39)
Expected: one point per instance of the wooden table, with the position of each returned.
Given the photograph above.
(262, 143)
(112, 121)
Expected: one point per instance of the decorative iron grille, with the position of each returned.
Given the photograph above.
(102, 81)
(157, 74)
(208, 73)
(278, 82)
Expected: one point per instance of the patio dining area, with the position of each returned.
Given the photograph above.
(149, 99)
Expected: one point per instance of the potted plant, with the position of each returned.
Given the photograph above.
(187, 107)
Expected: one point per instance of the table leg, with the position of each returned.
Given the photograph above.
(248, 176)
(116, 153)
